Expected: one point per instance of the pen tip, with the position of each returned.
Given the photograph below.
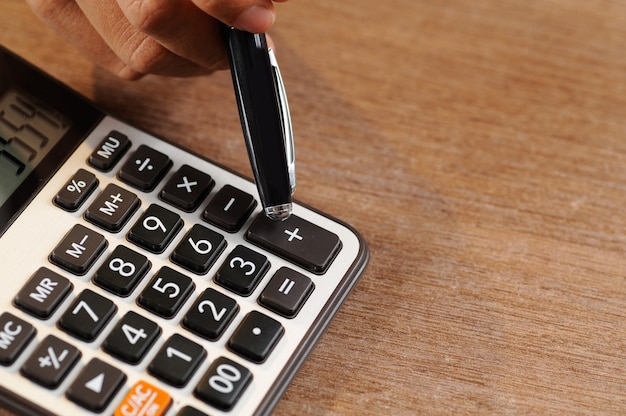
(278, 212)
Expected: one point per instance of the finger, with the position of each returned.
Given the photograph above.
(180, 27)
(256, 16)
(66, 19)
(141, 53)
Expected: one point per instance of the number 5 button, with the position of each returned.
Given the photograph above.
(242, 270)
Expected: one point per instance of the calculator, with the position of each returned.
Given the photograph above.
(142, 279)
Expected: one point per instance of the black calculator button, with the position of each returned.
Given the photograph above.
(121, 271)
(210, 314)
(78, 250)
(131, 338)
(297, 240)
(199, 249)
(286, 292)
(112, 208)
(96, 385)
(256, 336)
(177, 360)
(166, 292)
(145, 168)
(229, 208)
(109, 152)
(242, 270)
(50, 362)
(76, 190)
(190, 411)
(87, 315)
(155, 229)
(43, 293)
(187, 188)
(223, 384)
(15, 334)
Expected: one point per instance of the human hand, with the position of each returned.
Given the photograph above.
(132, 38)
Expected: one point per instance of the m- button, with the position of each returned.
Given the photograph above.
(297, 240)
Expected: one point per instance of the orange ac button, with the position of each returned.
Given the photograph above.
(144, 399)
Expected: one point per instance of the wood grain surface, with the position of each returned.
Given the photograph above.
(480, 148)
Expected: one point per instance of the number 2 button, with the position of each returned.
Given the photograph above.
(242, 270)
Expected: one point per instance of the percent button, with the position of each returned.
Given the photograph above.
(76, 190)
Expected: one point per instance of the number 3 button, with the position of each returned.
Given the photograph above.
(242, 270)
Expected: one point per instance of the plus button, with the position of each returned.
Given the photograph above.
(293, 234)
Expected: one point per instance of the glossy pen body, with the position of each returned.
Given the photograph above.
(263, 120)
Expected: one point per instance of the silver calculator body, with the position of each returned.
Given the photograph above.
(139, 278)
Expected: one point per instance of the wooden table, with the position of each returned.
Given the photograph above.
(480, 147)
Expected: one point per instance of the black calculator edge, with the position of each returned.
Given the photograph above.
(320, 325)
(19, 405)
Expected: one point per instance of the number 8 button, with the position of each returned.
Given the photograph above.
(242, 270)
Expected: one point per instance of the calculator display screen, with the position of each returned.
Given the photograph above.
(42, 122)
(28, 131)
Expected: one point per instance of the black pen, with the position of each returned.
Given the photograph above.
(265, 120)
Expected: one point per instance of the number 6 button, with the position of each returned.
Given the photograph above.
(242, 270)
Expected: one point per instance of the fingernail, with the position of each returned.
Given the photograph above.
(256, 19)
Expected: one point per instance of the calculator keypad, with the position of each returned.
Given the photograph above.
(204, 306)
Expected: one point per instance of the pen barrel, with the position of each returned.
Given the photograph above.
(259, 112)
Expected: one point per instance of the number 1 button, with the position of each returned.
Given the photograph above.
(177, 360)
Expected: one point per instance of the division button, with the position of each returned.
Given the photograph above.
(96, 385)
(145, 168)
